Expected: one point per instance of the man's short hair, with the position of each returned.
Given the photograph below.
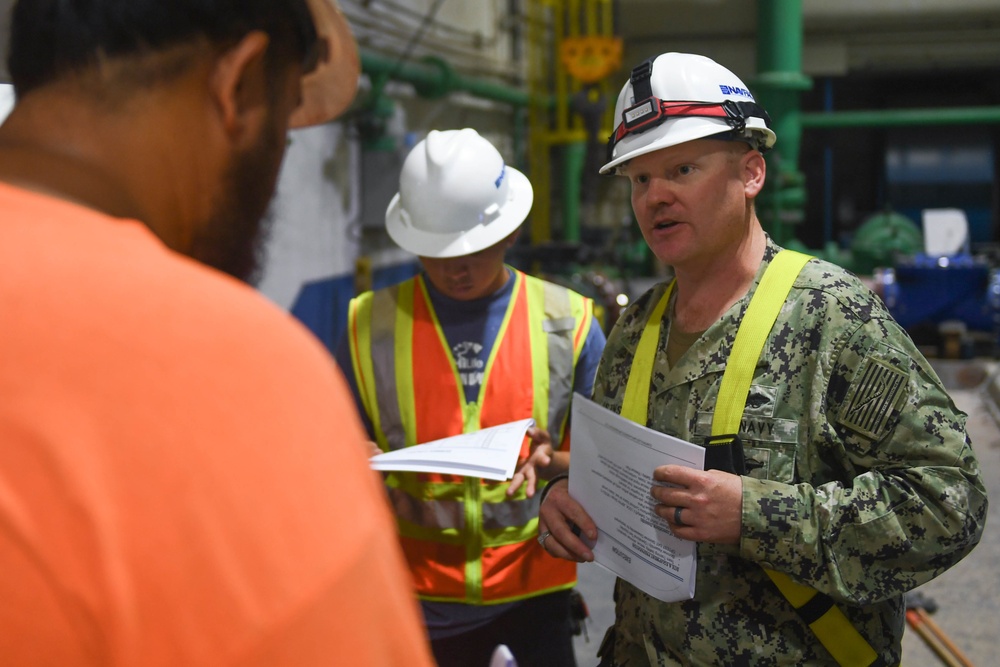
(52, 39)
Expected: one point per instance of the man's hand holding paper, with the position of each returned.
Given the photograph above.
(611, 492)
(710, 503)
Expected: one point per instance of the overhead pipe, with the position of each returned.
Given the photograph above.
(902, 117)
(433, 77)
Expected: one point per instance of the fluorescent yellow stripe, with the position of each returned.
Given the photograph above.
(539, 352)
(635, 403)
(403, 355)
(754, 329)
(359, 317)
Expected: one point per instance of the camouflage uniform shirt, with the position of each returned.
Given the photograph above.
(861, 481)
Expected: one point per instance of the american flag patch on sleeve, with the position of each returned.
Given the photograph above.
(872, 396)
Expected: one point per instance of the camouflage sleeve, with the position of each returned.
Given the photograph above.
(888, 491)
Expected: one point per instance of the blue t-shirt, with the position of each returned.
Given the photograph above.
(471, 327)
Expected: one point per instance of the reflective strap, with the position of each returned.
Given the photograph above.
(359, 320)
(474, 542)
(568, 317)
(817, 610)
(509, 514)
(400, 390)
(430, 518)
(359, 311)
(828, 623)
(434, 516)
(379, 327)
(754, 329)
(635, 404)
(437, 515)
(543, 353)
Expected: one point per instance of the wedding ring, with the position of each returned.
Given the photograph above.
(544, 536)
(677, 516)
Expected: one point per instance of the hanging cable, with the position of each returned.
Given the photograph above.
(408, 51)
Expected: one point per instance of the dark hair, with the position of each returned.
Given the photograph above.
(50, 39)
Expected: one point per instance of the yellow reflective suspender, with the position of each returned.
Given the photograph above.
(818, 610)
(635, 404)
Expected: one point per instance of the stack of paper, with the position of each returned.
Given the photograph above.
(490, 453)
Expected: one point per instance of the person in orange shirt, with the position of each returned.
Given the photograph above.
(183, 476)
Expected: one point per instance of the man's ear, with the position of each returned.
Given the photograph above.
(238, 84)
(754, 172)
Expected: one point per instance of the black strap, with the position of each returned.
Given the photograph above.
(642, 89)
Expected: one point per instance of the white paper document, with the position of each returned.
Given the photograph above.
(490, 453)
(611, 474)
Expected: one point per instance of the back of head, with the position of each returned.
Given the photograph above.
(680, 97)
(54, 39)
(456, 196)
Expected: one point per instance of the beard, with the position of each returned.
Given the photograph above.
(232, 240)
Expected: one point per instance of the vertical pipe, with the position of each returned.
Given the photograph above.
(540, 14)
(780, 81)
(779, 68)
(591, 25)
(562, 91)
(574, 159)
(574, 152)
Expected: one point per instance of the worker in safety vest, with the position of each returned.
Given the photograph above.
(838, 473)
(467, 344)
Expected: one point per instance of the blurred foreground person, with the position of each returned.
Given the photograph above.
(183, 477)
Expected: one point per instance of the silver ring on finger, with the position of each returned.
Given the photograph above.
(677, 516)
(542, 537)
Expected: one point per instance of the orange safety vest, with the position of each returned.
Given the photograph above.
(465, 540)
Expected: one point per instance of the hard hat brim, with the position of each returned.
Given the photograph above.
(331, 86)
(457, 244)
(674, 132)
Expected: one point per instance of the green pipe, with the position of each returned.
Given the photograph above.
(574, 158)
(433, 77)
(903, 117)
(779, 82)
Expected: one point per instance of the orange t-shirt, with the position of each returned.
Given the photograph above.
(183, 478)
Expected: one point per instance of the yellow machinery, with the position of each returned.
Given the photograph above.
(571, 53)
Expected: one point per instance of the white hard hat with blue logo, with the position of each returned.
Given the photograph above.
(680, 97)
(456, 196)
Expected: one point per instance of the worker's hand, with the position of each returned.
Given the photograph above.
(710, 503)
(372, 448)
(570, 529)
(539, 458)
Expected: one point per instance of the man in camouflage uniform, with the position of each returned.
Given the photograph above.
(855, 476)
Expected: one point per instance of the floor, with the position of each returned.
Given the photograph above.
(967, 597)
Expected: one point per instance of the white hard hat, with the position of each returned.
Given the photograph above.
(679, 97)
(456, 196)
(6, 100)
